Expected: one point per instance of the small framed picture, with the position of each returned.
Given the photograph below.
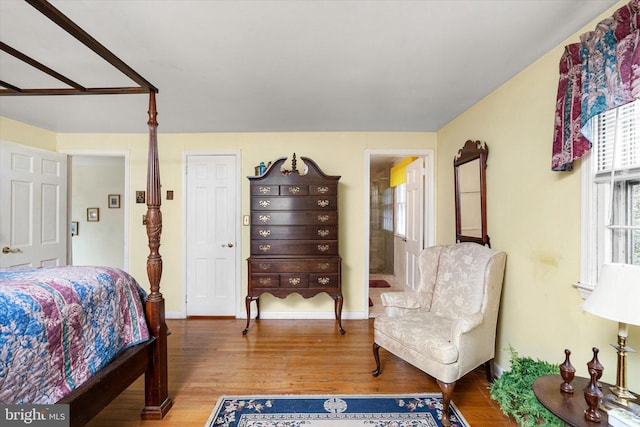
(140, 197)
(93, 214)
(74, 228)
(114, 200)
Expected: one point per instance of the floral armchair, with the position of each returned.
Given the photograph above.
(447, 327)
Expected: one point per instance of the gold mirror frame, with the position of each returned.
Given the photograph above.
(469, 167)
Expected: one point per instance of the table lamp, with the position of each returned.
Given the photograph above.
(617, 297)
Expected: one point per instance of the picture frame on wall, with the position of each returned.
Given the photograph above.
(140, 196)
(74, 228)
(114, 201)
(93, 214)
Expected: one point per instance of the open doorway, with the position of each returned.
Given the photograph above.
(98, 209)
(390, 265)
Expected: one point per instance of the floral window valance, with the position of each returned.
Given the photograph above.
(597, 74)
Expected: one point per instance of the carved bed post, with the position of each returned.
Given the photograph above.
(157, 400)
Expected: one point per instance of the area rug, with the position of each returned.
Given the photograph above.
(411, 410)
(376, 283)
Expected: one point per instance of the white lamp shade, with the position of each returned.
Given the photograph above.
(617, 295)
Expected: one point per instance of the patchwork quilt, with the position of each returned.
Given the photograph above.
(61, 325)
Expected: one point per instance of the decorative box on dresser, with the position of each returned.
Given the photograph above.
(294, 235)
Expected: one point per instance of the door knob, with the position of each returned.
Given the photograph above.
(8, 250)
(230, 245)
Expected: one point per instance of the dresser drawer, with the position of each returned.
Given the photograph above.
(323, 280)
(265, 280)
(294, 203)
(265, 190)
(294, 280)
(270, 266)
(294, 190)
(297, 232)
(323, 190)
(294, 218)
(294, 247)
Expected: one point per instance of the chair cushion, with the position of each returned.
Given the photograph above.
(423, 332)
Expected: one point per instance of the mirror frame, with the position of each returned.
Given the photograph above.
(472, 150)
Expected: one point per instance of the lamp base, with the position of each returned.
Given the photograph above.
(621, 418)
(611, 401)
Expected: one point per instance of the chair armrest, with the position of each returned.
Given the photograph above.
(404, 299)
(465, 324)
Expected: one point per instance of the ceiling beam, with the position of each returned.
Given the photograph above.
(40, 66)
(48, 10)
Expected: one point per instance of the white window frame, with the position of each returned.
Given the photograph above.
(598, 240)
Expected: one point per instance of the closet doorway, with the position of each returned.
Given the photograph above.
(212, 251)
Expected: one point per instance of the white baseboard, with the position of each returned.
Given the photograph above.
(302, 315)
(285, 315)
(174, 315)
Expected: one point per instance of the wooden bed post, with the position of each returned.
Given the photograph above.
(157, 400)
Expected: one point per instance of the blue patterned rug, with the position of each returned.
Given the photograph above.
(411, 410)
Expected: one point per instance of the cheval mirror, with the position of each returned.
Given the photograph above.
(471, 193)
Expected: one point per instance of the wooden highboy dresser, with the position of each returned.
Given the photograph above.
(294, 235)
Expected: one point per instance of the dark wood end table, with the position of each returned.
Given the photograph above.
(568, 407)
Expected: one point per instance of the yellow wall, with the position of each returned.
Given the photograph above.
(21, 133)
(336, 153)
(533, 215)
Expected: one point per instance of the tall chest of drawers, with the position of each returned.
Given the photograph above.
(294, 235)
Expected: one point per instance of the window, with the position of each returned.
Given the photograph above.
(387, 209)
(401, 210)
(611, 193)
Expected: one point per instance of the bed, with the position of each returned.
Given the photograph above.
(98, 382)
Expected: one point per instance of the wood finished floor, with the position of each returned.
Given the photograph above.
(209, 358)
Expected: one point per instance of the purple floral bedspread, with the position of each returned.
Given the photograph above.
(61, 325)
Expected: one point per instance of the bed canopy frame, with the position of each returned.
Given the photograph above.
(150, 357)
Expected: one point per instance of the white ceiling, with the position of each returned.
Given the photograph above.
(307, 65)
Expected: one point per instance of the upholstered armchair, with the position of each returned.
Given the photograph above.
(447, 327)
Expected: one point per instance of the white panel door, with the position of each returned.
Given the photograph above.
(415, 220)
(211, 235)
(33, 205)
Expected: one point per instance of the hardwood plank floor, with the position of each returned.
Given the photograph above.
(209, 358)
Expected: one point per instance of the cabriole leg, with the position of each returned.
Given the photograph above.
(447, 391)
(376, 356)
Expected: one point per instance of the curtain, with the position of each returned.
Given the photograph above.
(597, 74)
(398, 173)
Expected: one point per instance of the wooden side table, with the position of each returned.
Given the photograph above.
(568, 407)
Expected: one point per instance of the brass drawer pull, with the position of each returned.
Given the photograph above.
(323, 203)
(265, 190)
(324, 280)
(264, 233)
(264, 203)
(262, 266)
(294, 281)
(294, 190)
(323, 218)
(265, 280)
(323, 190)
(265, 248)
(265, 218)
(323, 248)
(323, 233)
(324, 266)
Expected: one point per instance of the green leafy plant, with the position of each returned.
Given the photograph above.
(515, 396)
